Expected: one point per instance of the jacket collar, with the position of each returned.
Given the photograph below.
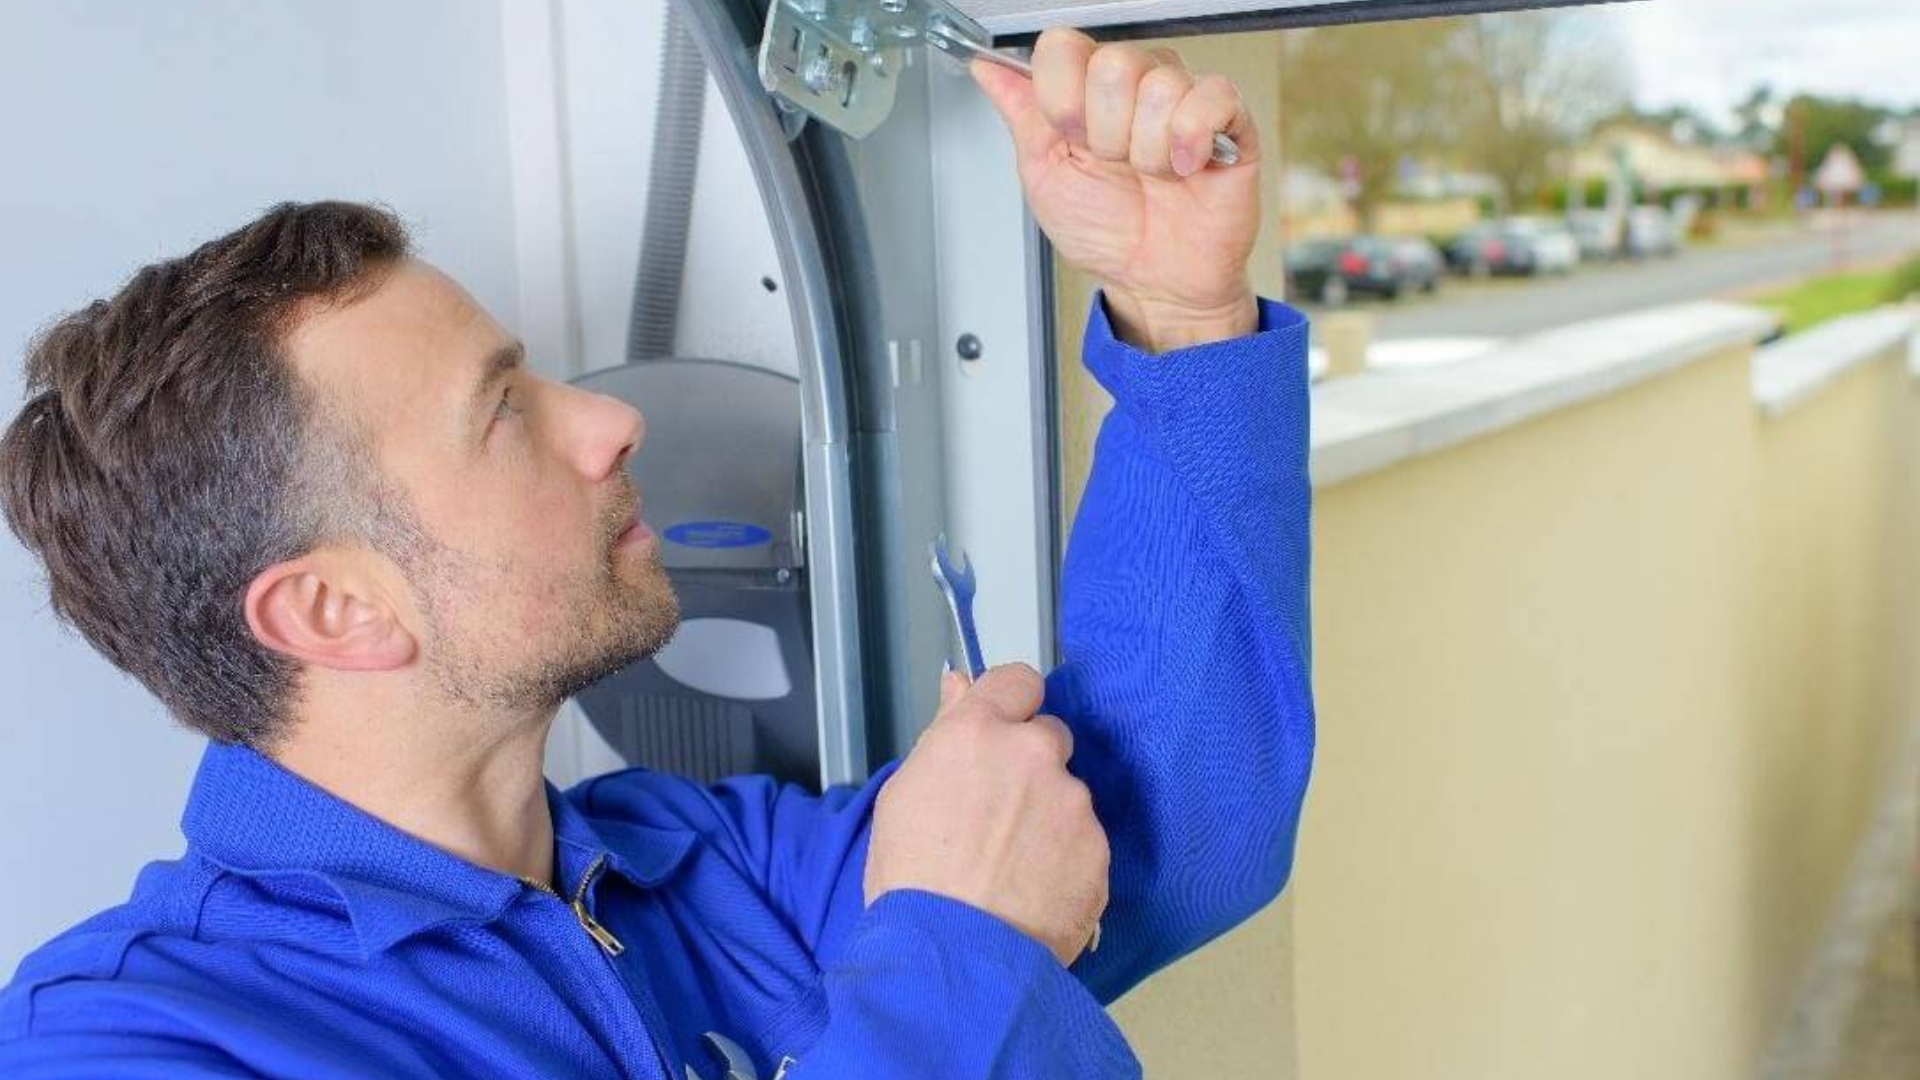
(250, 816)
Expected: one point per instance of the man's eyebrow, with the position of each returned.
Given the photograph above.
(502, 360)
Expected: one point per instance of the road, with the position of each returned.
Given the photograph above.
(1507, 308)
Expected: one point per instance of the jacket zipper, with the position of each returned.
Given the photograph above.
(601, 936)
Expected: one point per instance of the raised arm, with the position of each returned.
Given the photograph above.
(1185, 637)
(1184, 605)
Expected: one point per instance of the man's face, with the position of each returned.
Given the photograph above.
(531, 574)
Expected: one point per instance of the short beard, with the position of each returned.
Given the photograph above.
(612, 623)
(637, 631)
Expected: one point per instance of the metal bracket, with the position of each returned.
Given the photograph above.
(839, 60)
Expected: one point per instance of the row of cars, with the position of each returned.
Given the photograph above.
(1333, 270)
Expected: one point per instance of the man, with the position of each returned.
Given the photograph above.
(302, 487)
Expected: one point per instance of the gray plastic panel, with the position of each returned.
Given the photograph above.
(719, 471)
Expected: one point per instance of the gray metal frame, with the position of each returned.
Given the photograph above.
(801, 203)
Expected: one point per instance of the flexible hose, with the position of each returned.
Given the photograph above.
(655, 312)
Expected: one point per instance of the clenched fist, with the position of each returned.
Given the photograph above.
(1112, 143)
(984, 811)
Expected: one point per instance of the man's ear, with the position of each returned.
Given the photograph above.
(324, 610)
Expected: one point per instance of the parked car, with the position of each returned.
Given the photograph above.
(1521, 245)
(1420, 261)
(1601, 234)
(1334, 270)
(1651, 232)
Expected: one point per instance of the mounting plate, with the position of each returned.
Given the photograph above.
(840, 60)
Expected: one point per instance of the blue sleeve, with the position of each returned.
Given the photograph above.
(917, 985)
(1185, 636)
(934, 989)
(111, 1056)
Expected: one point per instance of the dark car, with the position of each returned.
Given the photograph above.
(1331, 271)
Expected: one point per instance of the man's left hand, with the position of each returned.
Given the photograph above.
(1113, 143)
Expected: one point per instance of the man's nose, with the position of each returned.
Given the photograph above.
(604, 431)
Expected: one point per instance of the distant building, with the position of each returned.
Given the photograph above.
(1660, 161)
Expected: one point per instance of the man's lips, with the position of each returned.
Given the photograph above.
(636, 532)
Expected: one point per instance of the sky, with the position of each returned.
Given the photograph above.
(1709, 53)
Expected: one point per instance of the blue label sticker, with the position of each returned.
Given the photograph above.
(718, 534)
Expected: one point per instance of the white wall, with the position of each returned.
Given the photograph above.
(609, 56)
(511, 134)
(131, 131)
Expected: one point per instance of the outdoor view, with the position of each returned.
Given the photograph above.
(1462, 181)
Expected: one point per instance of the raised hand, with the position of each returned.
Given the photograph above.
(1112, 143)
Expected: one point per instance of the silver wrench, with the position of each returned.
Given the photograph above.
(739, 1064)
(957, 582)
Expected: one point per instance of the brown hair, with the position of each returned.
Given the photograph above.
(168, 453)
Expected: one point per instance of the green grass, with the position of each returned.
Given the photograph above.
(1818, 299)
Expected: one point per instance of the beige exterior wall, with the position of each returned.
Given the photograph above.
(1606, 700)
(1837, 611)
(1527, 849)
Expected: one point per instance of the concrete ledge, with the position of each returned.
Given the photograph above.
(1375, 420)
(1791, 371)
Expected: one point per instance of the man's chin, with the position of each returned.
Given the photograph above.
(650, 634)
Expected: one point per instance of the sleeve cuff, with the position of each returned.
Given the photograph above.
(942, 989)
(957, 927)
(1275, 317)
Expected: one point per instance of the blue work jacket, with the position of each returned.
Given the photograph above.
(299, 937)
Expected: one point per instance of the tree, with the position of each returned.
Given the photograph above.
(1813, 125)
(1759, 119)
(1537, 81)
(1500, 94)
(1368, 96)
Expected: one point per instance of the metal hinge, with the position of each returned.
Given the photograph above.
(840, 60)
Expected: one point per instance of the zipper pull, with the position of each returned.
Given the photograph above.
(601, 936)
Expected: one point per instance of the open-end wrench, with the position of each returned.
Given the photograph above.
(957, 582)
(739, 1063)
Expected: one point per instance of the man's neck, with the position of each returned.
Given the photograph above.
(463, 779)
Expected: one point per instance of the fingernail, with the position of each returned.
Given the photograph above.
(1182, 161)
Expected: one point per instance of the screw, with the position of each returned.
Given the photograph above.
(822, 75)
(769, 284)
(968, 347)
(861, 35)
